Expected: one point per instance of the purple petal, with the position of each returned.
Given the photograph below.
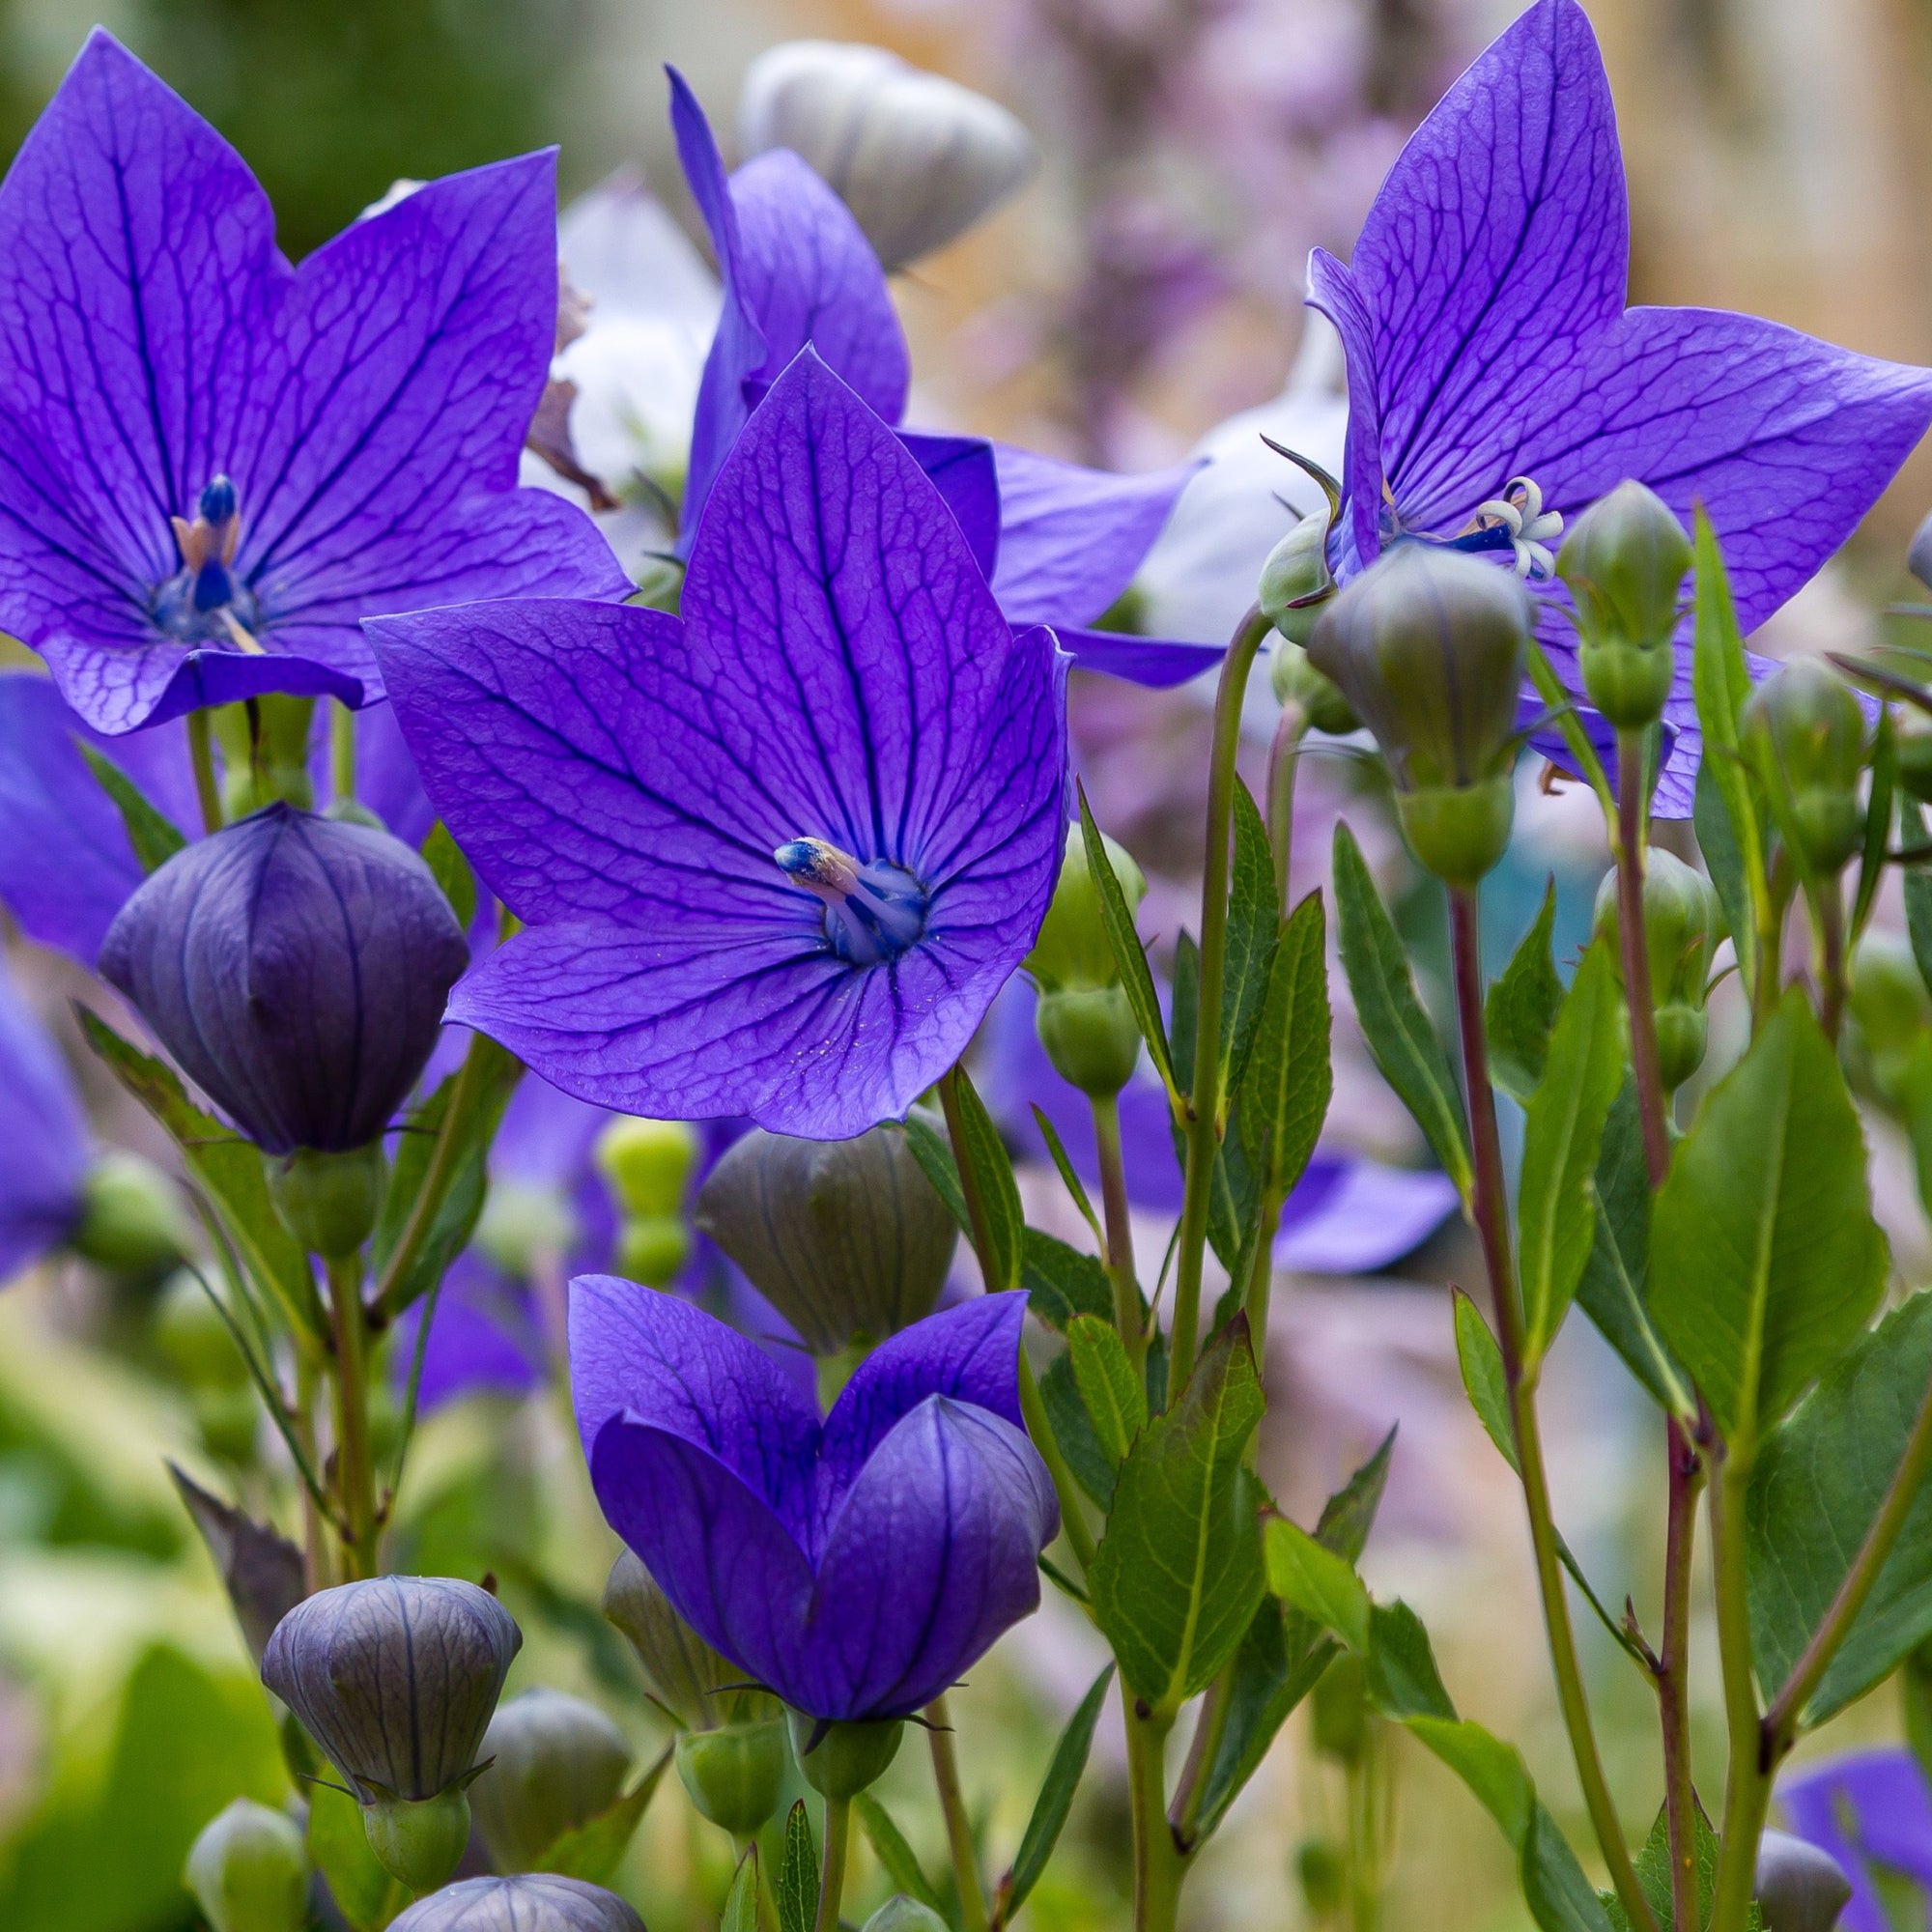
(1158, 662)
(1891, 1822)
(44, 1133)
(1332, 290)
(142, 682)
(483, 1339)
(1354, 1216)
(1070, 539)
(932, 1554)
(638, 1352)
(963, 470)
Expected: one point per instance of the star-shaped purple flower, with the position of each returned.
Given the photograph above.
(775, 858)
(854, 1565)
(1058, 543)
(214, 466)
(1495, 376)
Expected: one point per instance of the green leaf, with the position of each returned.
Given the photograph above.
(593, 1850)
(1400, 1675)
(1283, 1653)
(1068, 1178)
(1878, 821)
(1186, 1013)
(934, 1155)
(365, 1894)
(1054, 1801)
(227, 1170)
(1817, 1486)
(1652, 1867)
(1061, 1282)
(1398, 1030)
(444, 858)
(1288, 1081)
(1114, 1396)
(1316, 1581)
(1129, 954)
(1178, 1572)
(1074, 1429)
(1765, 1259)
(1484, 1382)
(985, 1156)
(154, 837)
(1253, 916)
(797, 1888)
(1718, 844)
(741, 1902)
(1522, 1006)
(888, 1845)
(1557, 1211)
(1917, 889)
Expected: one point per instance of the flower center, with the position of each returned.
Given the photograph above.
(204, 602)
(872, 913)
(1515, 523)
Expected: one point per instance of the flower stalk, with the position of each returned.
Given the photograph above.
(355, 1460)
(201, 755)
(1120, 1225)
(831, 1870)
(958, 1825)
(1747, 1788)
(1157, 1859)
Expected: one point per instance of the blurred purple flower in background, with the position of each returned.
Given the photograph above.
(854, 1565)
(48, 1150)
(1871, 1809)
(1492, 361)
(776, 858)
(213, 466)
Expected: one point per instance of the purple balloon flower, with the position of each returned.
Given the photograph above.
(1496, 374)
(212, 465)
(776, 858)
(1058, 543)
(1871, 1808)
(44, 1133)
(854, 1565)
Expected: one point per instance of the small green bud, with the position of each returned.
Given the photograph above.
(647, 1164)
(844, 1237)
(1091, 1035)
(697, 1685)
(1341, 1711)
(248, 1870)
(1683, 923)
(1683, 1033)
(1888, 1017)
(526, 1225)
(1295, 581)
(328, 1201)
(226, 1420)
(1625, 560)
(1324, 1877)
(1914, 746)
(1297, 681)
(735, 1775)
(130, 1217)
(191, 1334)
(1800, 1888)
(900, 1914)
(555, 1764)
(1805, 736)
(419, 1841)
(847, 1756)
(653, 1249)
(1073, 949)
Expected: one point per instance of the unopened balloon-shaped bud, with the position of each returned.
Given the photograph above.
(843, 1237)
(1340, 1712)
(654, 1250)
(1683, 923)
(1625, 560)
(395, 1678)
(194, 1335)
(130, 1217)
(1889, 1023)
(248, 1870)
(555, 1763)
(265, 752)
(526, 1225)
(916, 158)
(297, 969)
(1295, 681)
(734, 1774)
(842, 1759)
(697, 1685)
(1323, 1872)
(1073, 950)
(1805, 736)
(534, 1902)
(900, 1914)
(1295, 579)
(1428, 646)
(1800, 1888)
(1913, 746)
(328, 1201)
(647, 1164)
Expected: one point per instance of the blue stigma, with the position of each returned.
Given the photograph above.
(204, 602)
(217, 504)
(872, 913)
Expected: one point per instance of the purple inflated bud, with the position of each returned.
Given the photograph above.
(698, 1686)
(296, 968)
(1800, 1888)
(538, 1902)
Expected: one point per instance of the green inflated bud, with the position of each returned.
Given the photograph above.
(653, 1249)
(1887, 1039)
(846, 1757)
(900, 1914)
(191, 1332)
(130, 1218)
(647, 1164)
(688, 1677)
(1340, 1712)
(1295, 681)
(1324, 1874)
(248, 1870)
(1295, 581)
(419, 1841)
(1683, 924)
(265, 752)
(555, 1764)
(1090, 1037)
(328, 1201)
(1625, 560)
(525, 1225)
(1805, 736)
(1073, 950)
(734, 1774)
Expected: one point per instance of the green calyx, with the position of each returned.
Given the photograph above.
(1625, 560)
(419, 1843)
(734, 1774)
(1091, 1035)
(1073, 951)
(1297, 682)
(1295, 581)
(1459, 831)
(1803, 736)
(328, 1201)
(130, 1218)
(265, 754)
(839, 1760)
(647, 1164)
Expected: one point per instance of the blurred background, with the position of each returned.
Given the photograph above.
(1143, 288)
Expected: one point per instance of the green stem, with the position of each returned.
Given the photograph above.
(959, 1827)
(1631, 939)
(1284, 761)
(832, 1872)
(1157, 1860)
(1072, 1512)
(354, 1464)
(1120, 1225)
(201, 749)
(315, 1549)
(1204, 1125)
(1747, 1790)
(341, 752)
(1772, 908)
(1828, 904)
(1202, 1749)
(1493, 1226)
(1673, 1670)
